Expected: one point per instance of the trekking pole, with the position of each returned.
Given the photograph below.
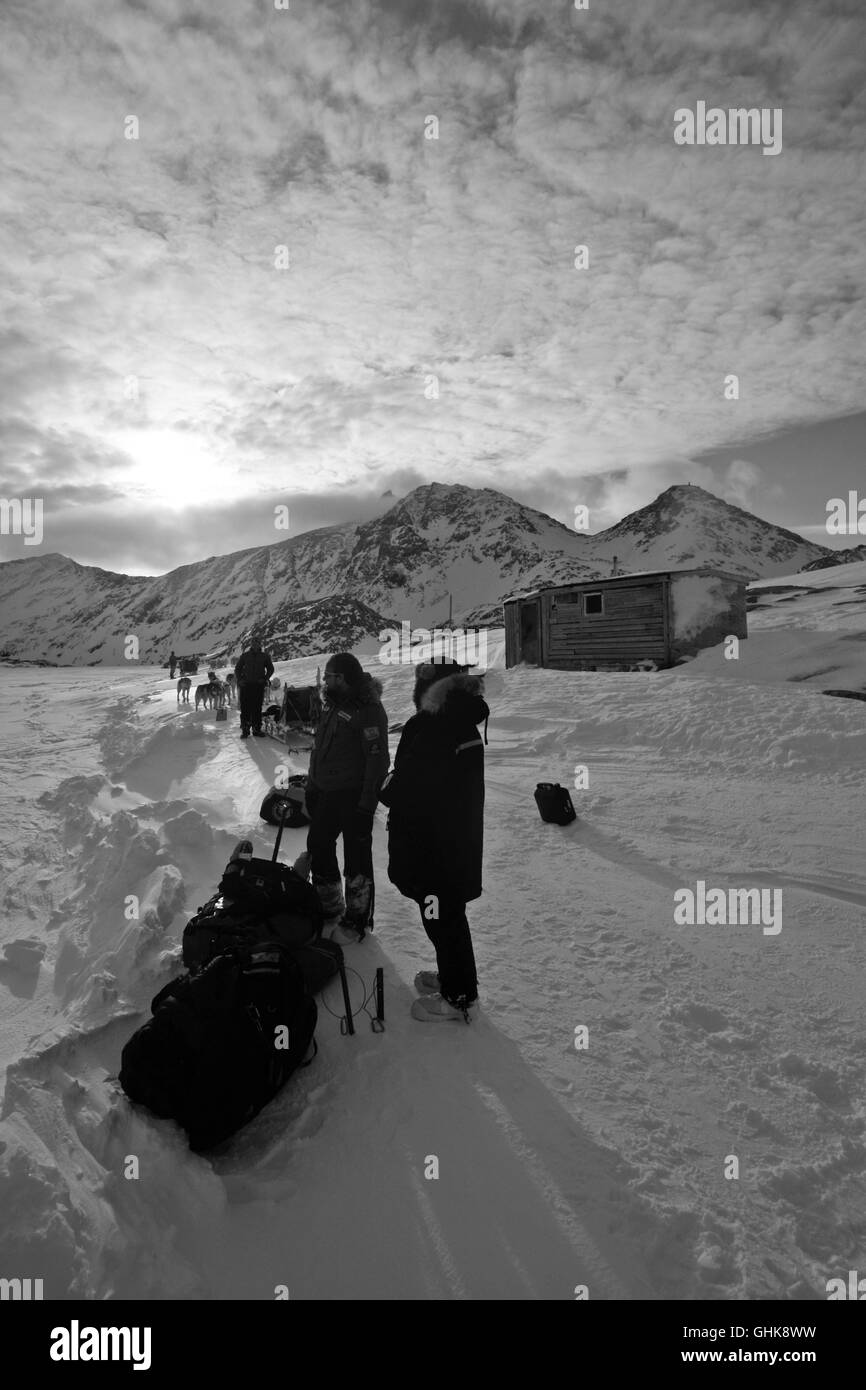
(279, 833)
(347, 1003)
(378, 1023)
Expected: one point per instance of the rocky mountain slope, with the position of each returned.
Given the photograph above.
(331, 587)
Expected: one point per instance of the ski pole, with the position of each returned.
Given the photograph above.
(378, 1023)
(347, 1003)
(279, 833)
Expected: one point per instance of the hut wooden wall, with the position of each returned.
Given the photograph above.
(632, 628)
(512, 635)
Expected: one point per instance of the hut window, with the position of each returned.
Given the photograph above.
(592, 603)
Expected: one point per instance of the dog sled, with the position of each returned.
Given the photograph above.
(295, 720)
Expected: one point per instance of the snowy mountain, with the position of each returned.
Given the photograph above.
(295, 629)
(850, 555)
(686, 525)
(476, 545)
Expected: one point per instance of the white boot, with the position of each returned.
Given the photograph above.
(345, 934)
(302, 865)
(432, 1008)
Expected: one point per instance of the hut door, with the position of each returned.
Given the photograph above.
(529, 624)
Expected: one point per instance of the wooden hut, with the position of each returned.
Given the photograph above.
(614, 624)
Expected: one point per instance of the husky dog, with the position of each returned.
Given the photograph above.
(183, 686)
(205, 695)
(231, 685)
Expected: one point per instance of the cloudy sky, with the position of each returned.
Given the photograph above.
(165, 381)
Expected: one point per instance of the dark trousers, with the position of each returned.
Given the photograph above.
(333, 814)
(251, 698)
(455, 958)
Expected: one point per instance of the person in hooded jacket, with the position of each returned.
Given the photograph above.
(435, 796)
(253, 670)
(347, 765)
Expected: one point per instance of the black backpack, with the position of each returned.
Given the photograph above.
(265, 887)
(212, 1056)
(554, 803)
(285, 805)
(219, 927)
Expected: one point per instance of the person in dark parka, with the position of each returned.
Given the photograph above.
(435, 797)
(348, 762)
(253, 670)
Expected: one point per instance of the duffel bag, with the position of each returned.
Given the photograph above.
(285, 805)
(554, 803)
(221, 1043)
(220, 926)
(265, 887)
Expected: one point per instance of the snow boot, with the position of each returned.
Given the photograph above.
(331, 898)
(359, 904)
(301, 865)
(427, 982)
(434, 1008)
(245, 733)
(344, 933)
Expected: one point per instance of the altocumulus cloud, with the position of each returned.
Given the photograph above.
(164, 383)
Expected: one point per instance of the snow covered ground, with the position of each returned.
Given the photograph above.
(558, 1167)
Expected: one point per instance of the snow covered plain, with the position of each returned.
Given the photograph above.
(603, 1167)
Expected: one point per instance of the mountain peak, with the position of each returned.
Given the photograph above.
(444, 548)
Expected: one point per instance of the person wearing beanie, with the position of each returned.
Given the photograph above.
(435, 797)
(347, 764)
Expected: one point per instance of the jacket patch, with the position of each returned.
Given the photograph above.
(344, 714)
(471, 743)
(372, 732)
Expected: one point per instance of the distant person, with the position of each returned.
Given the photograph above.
(348, 762)
(435, 797)
(253, 670)
(172, 662)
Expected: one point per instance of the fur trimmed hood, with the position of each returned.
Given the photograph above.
(368, 692)
(450, 689)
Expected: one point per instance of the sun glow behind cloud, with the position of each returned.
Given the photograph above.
(175, 467)
(412, 258)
